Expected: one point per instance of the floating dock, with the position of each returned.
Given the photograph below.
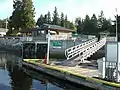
(84, 75)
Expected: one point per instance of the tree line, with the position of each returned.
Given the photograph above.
(23, 14)
(57, 19)
(93, 25)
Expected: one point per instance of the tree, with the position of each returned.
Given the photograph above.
(55, 17)
(71, 26)
(28, 14)
(93, 22)
(62, 20)
(16, 18)
(87, 25)
(100, 21)
(23, 15)
(48, 18)
(78, 24)
(113, 30)
(10, 26)
(45, 18)
(40, 20)
(66, 22)
(106, 25)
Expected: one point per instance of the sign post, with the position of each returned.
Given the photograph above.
(48, 49)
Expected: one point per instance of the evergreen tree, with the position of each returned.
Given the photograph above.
(106, 25)
(45, 18)
(100, 21)
(55, 17)
(16, 18)
(113, 30)
(103, 23)
(28, 14)
(62, 20)
(71, 26)
(93, 24)
(87, 25)
(66, 22)
(40, 20)
(48, 18)
(23, 15)
(10, 26)
(78, 24)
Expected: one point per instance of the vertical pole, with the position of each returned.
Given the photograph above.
(48, 48)
(6, 25)
(116, 27)
(105, 59)
(35, 50)
(22, 51)
(117, 76)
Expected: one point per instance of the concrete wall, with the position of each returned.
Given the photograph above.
(65, 75)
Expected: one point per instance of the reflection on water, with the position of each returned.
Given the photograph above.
(15, 77)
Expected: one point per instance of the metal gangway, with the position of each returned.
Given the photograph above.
(84, 50)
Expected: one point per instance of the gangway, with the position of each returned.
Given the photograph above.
(83, 51)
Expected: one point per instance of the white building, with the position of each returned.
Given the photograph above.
(3, 31)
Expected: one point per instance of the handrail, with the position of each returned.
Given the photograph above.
(74, 51)
(86, 52)
(95, 48)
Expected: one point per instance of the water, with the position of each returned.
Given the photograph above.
(15, 77)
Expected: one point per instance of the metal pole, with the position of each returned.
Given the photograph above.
(6, 25)
(116, 28)
(48, 48)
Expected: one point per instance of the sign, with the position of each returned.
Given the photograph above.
(57, 44)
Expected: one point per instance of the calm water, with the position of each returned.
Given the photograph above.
(15, 77)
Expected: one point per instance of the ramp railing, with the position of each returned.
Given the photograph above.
(87, 52)
(75, 50)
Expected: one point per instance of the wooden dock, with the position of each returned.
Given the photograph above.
(80, 75)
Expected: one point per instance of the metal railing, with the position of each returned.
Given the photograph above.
(85, 50)
(74, 51)
(92, 49)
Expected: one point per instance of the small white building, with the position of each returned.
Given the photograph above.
(3, 31)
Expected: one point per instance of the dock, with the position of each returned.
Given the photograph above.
(83, 75)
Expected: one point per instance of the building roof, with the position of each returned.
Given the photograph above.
(3, 30)
(48, 27)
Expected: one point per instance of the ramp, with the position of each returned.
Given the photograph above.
(81, 52)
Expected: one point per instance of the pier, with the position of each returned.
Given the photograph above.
(79, 75)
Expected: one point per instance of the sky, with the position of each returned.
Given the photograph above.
(73, 8)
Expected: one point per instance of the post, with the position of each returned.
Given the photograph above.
(22, 51)
(48, 48)
(6, 25)
(74, 41)
(116, 28)
(35, 50)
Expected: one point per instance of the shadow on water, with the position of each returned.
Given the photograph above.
(15, 77)
(52, 83)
